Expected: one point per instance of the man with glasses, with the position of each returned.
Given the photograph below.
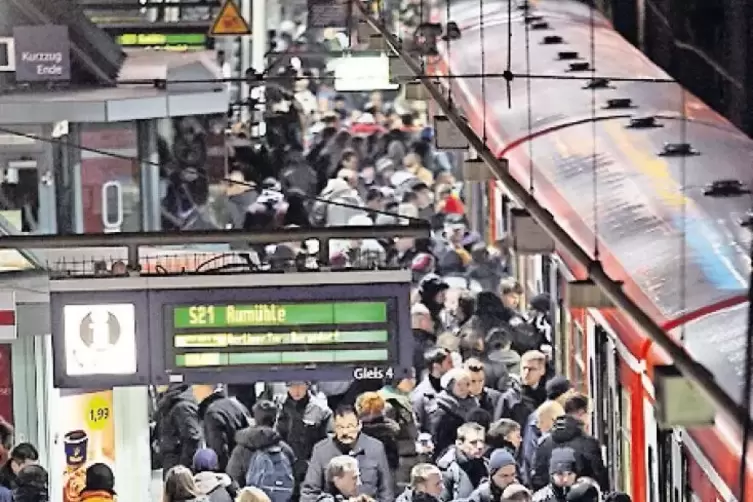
(376, 480)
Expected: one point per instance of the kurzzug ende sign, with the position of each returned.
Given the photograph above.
(42, 53)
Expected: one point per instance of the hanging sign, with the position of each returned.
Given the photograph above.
(229, 21)
(42, 53)
(328, 13)
(100, 339)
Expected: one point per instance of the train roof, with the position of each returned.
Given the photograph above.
(649, 208)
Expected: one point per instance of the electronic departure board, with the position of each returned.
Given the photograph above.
(279, 334)
(232, 328)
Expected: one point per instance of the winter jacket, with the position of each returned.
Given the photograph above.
(423, 401)
(519, 401)
(483, 494)
(222, 418)
(216, 487)
(385, 430)
(376, 479)
(447, 414)
(178, 422)
(568, 432)
(302, 424)
(97, 496)
(489, 401)
(399, 409)
(408, 495)
(456, 482)
(238, 205)
(531, 438)
(247, 442)
(550, 493)
(422, 341)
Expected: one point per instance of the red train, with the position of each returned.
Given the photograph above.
(650, 210)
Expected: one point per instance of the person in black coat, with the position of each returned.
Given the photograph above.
(222, 417)
(370, 407)
(522, 399)
(450, 409)
(487, 398)
(424, 336)
(178, 424)
(568, 432)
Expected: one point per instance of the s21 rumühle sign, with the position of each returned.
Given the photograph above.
(42, 53)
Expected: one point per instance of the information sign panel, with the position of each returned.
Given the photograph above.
(279, 334)
(230, 329)
(99, 339)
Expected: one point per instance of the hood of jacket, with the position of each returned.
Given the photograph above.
(207, 401)
(173, 394)
(207, 482)
(379, 427)
(566, 428)
(257, 437)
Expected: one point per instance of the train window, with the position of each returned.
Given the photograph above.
(625, 446)
(546, 270)
(580, 378)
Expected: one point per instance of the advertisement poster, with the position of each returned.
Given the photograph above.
(88, 437)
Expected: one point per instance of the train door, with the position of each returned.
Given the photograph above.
(652, 454)
(672, 468)
(605, 381)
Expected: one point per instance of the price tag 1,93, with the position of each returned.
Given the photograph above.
(98, 413)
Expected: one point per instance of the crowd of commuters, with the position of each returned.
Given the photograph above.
(482, 417)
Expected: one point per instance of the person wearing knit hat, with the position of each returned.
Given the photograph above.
(502, 471)
(563, 468)
(559, 389)
(205, 459)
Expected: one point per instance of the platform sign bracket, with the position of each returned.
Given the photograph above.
(229, 21)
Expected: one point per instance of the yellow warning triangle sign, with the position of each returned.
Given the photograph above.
(229, 21)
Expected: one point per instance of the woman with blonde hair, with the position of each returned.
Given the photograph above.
(251, 494)
(180, 486)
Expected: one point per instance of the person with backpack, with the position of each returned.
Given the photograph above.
(376, 479)
(261, 458)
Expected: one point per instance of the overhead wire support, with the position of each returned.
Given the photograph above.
(260, 79)
(594, 159)
(529, 107)
(483, 66)
(612, 289)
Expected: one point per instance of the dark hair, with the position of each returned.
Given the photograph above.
(265, 413)
(23, 452)
(410, 197)
(576, 404)
(348, 154)
(509, 286)
(480, 416)
(435, 355)
(469, 342)
(499, 430)
(6, 434)
(345, 410)
(498, 338)
(467, 304)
